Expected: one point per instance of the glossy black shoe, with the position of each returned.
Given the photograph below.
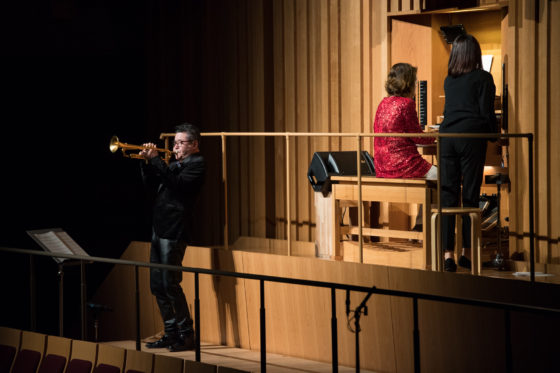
(449, 265)
(464, 262)
(165, 341)
(185, 342)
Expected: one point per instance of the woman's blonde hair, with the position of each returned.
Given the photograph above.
(401, 80)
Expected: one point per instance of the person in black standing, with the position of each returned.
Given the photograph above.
(469, 108)
(176, 187)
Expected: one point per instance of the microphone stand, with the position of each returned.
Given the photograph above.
(97, 309)
(498, 179)
(357, 314)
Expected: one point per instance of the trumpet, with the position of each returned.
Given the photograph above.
(115, 144)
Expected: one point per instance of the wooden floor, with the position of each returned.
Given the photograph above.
(241, 359)
(520, 271)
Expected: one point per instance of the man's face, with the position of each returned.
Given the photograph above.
(183, 146)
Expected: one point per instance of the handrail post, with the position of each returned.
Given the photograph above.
(357, 339)
(360, 207)
(288, 196)
(196, 317)
(32, 305)
(224, 179)
(416, 335)
(60, 275)
(263, 328)
(83, 296)
(334, 333)
(531, 212)
(137, 304)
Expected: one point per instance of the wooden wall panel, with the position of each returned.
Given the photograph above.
(366, 68)
(290, 93)
(222, 299)
(256, 120)
(542, 132)
(122, 302)
(322, 80)
(438, 69)
(553, 207)
(334, 124)
(301, 192)
(415, 51)
(322, 66)
(533, 110)
(380, 56)
(512, 63)
(525, 118)
(279, 116)
(350, 71)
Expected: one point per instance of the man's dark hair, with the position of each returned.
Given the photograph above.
(191, 130)
(465, 56)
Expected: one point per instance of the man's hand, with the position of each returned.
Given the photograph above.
(149, 152)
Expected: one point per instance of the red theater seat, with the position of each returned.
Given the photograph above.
(52, 364)
(26, 361)
(7, 354)
(79, 366)
(105, 368)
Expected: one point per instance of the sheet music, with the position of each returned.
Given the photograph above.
(57, 241)
(74, 247)
(487, 62)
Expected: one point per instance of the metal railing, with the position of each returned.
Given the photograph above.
(358, 136)
(415, 296)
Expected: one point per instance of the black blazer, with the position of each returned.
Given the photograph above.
(177, 187)
(469, 103)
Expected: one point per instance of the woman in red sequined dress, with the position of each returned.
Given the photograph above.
(398, 157)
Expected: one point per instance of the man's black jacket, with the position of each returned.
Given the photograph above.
(177, 187)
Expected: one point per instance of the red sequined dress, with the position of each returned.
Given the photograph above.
(397, 157)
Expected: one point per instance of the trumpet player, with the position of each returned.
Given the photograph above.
(176, 188)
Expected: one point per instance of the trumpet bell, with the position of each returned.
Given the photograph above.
(114, 144)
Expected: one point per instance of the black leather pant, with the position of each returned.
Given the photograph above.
(462, 165)
(166, 285)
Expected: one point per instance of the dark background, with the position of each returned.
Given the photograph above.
(73, 74)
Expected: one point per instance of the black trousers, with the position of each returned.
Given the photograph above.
(462, 164)
(166, 285)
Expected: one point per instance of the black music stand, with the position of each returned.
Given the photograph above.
(57, 241)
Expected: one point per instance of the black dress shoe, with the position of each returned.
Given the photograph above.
(449, 265)
(165, 341)
(185, 342)
(464, 262)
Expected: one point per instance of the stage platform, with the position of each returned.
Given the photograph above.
(243, 359)
(298, 318)
(404, 254)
